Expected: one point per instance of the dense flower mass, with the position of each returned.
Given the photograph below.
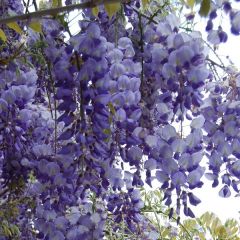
(85, 123)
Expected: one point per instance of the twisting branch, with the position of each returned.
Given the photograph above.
(150, 18)
(3, 192)
(26, 5)
(49, 67)
(35, 5)
(54, 11)
(141, 43)
(211, 48)
(174, 218)
(144, 15)
(216, 64)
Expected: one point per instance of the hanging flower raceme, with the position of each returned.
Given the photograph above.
(174, 74)
(111, 101)
(221, 127)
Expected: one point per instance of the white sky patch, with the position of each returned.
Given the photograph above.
(224, 208)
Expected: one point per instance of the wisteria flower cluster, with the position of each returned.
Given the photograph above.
(85, 123)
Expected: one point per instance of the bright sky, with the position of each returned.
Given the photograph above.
(224, 207)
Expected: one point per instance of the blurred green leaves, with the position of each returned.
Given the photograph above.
(3, 36)
(203, 227)
(205, 8)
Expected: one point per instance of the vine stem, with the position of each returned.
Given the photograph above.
(158, 223)
(214, 63)
(54, 11)
(219, 59)
(35, 5)
(26, 5)
(150, 18)
(55, 104)
(141, 43)
(3, 192)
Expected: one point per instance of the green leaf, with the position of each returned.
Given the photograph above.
(107, 131)
(14, 230)
(207, 218)
(95, 11)
(205, 8)
(36, 26)
(42, 5)
(145, 3)
(215, 224)
(6, 231)
(57, 3)
(234, 231)
(61, 18)
(112, 8)
(112, 109)
(165, 232)
(190, 3)
(221, 232)
(2, 35)
(201, 235)
(15, 27)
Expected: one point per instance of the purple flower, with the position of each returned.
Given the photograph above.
(209, 25)
(235, 23)
(162, 176)
(120, 115)
(123, 83)
(116, 70)
(225, 192)
(124, 42)
(194, 177)
(115, 56)
(178, 178)
(134, 154)
(235, 168)
(194, 200)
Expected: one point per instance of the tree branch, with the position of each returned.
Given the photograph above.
(3, 192)
(35, 5)
(214, 63)
(54, 11)
(144, 15)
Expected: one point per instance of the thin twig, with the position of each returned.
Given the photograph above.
(27, 6)
(141, 43)
(35, 5)
(144, 15)
(175, 219)
(213, 69)
(54, 102)
(216, 64)
(150, 18)
(219, 59)
(80, 89)
(158, 223)
(3, 192)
